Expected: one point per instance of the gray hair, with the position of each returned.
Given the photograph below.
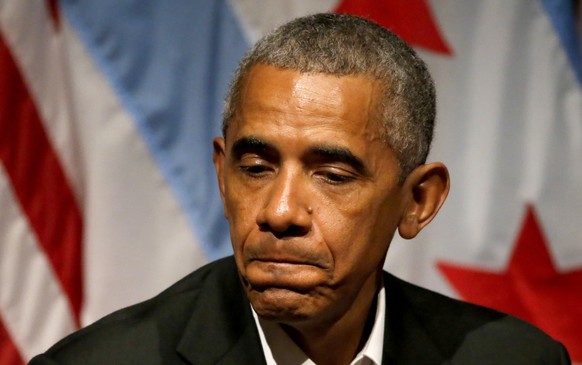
(340, 44)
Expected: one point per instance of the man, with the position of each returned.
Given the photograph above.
(327, 126)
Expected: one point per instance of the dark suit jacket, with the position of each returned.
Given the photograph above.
(205, 319)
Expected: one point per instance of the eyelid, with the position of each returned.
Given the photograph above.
(255, 168)
(250, 160)
(341, 156)
(250, 156)
(341, 175)
(339, 168)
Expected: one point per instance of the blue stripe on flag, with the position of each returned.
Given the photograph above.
(562, 15)
(170, 62)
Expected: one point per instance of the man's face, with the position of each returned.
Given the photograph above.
(310, 191)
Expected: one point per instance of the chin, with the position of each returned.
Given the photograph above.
(284, 305)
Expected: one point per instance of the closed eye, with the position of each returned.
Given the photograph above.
(254, 170)
(334, 155)
(336, 178)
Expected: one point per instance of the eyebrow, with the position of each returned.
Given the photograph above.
(324, 152)
(340, 154)
(250, 144)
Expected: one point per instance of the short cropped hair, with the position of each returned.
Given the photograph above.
(341, 44)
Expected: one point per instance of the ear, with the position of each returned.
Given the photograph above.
(218, 157)
(426, 188)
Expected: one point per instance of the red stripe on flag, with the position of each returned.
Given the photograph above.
(38, 180)
(53, 6)
(9, 355)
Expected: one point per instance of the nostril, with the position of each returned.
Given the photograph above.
(293, 231)
(264, 227)
(289, 231)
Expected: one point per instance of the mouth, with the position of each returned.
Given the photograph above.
(285, 272)
(287, 261)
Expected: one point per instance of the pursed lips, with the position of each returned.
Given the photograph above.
(290, 273)
(287, 260)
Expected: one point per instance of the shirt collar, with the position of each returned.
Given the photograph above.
(279, 349)
(374, 346)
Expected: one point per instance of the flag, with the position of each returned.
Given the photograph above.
(510, 130)
(108, 194)
(107, 189)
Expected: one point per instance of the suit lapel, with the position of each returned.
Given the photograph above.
(221, 329)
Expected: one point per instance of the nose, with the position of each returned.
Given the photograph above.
(286, 212)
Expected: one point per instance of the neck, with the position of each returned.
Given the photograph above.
(319, 341)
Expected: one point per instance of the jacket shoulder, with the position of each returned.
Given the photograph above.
(464, 333)
(144, 333)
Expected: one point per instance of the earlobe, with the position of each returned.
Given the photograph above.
(218, 157)
(426, 188)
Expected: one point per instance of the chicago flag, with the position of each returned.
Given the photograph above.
(108, 194)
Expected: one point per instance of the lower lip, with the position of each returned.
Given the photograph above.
(283, 263)
(299, 276)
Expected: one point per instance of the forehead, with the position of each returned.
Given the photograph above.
(281, 98)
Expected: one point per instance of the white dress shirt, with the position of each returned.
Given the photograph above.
(279, 349)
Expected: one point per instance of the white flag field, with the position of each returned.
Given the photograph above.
(108, 193)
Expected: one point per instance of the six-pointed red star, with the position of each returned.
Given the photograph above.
(412, 20)
(530, 288)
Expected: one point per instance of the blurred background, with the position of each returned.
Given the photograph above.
(108, 194)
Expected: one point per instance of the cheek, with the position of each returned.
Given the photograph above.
(358, 232)
(241, 215)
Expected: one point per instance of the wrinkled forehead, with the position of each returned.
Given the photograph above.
(298, 113)
(353, 99)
